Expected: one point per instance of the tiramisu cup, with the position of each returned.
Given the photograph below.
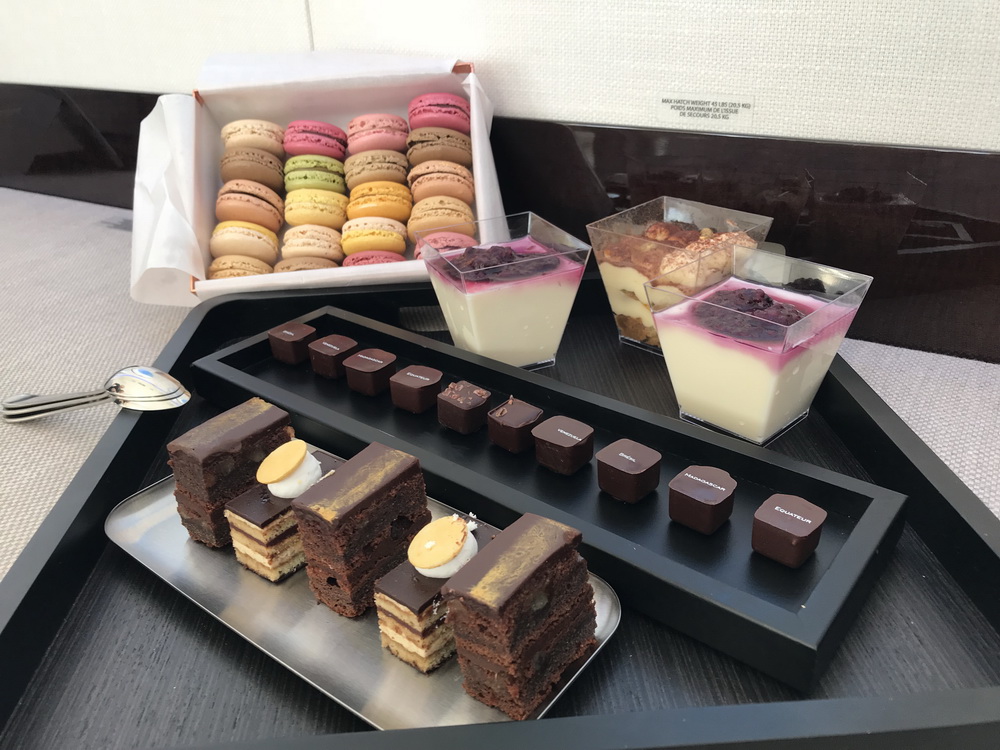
(654, 238)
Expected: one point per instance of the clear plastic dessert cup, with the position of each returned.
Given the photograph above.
(509, 295)
(651, 239)
(748, 336)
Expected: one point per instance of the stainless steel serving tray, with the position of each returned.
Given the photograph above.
(342, 657)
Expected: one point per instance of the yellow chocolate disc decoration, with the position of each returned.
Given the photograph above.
(281, 462)
(438, 542)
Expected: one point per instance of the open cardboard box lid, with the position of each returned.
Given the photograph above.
(177, 171)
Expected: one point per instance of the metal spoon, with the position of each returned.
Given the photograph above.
(137, 387)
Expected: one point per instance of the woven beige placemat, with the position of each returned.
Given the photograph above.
(66, 324)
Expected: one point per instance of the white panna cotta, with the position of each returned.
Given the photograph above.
(514, 311)
(745, 385)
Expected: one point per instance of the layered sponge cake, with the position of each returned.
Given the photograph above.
(357, 523)
(411, 617)
(522, 612)
(264, 530)
(217, 461)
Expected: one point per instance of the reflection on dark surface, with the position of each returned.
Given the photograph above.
(924, 223)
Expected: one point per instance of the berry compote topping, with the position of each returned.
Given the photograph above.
(760, 314)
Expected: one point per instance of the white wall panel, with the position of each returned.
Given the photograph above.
(139, 45)
(911, 72)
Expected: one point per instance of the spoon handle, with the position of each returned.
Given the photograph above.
(31, 401)
(23, 415)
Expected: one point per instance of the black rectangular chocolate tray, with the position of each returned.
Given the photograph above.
(787, 623)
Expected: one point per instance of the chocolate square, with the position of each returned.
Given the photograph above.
(786, 528)
(563, 444)
(701, 498)
(510, 425)
(327, 355)
(462, 407)
(289, 342)
(415, 388)
(369, 370)
(627, 470)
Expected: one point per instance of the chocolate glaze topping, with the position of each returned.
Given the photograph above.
(227, 432)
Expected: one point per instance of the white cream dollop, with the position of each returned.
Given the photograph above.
(450, 568)
(306, 474)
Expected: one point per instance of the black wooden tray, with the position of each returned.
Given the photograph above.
(784, 622)
(96, 652)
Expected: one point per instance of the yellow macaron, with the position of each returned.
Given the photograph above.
(388, 200)
(373, 233)
(310, 206)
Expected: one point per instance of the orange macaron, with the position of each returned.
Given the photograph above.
(389, 200)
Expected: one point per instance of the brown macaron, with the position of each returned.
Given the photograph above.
(378, 165)
(425, 144)
(254, 165)
(438, 212)
(436, 177)
(303, 263)
(234, 266)
(243, 200)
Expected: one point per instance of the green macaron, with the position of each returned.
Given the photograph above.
(315, 173)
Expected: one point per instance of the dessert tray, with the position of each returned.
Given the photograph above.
(785, 622)
(342, 657)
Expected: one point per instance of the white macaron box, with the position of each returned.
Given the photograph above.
(177, 173)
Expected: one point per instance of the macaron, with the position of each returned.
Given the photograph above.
(257, 134)
(436, 177)
(243, 200)
(305, 263)
(443, 242)
(323, 207)
(438, 212)
(374, 233)
(389, 200)
(234, 266)
(312, 241)
(252, 164)
(378, 165)
(313, 172)
(314, 137)
(376, 131)
(440, 111)
(244, 238)
(371, 258)
(425, 144)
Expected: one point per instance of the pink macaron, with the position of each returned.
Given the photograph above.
(372, 258)
(378, 131)
(315, 138)
(443, 242)
(440, 111)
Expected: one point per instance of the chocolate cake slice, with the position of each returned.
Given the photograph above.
(522, 612)
(356, 524)
(265, 534)
(411, 617)
(217, 460)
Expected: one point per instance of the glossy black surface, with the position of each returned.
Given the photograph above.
(923, 222)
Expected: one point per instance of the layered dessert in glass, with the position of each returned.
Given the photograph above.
(509, 296)
(649, 240)
(748, 336)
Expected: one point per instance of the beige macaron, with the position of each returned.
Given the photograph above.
(312, 241)
(303, 263)
(234, 266)
(244, 238)
(439, 212)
